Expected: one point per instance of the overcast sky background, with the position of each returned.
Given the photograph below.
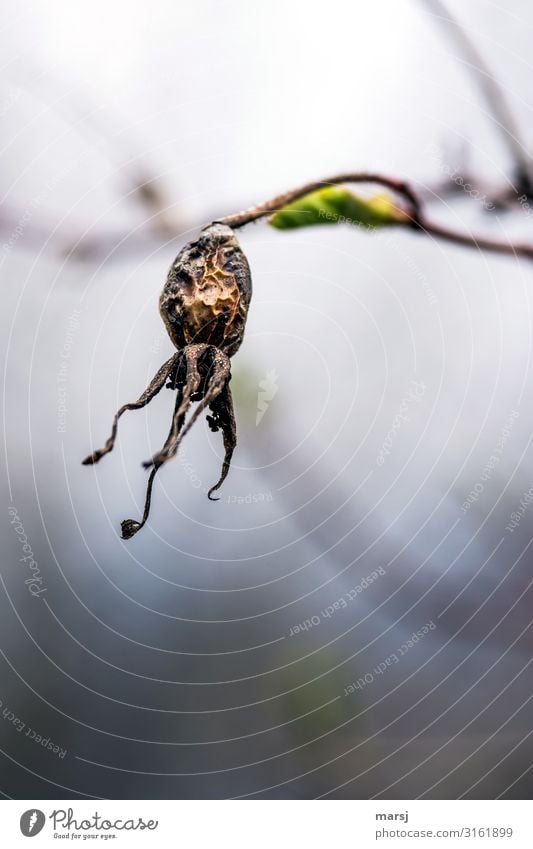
(164, 666)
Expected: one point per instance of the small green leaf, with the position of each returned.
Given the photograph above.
(332, 205)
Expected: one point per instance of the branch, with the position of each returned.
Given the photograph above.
(413, 216)
(277, 203)
(481, 242)
(493, 93)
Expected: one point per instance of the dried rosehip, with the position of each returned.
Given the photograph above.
(207, 293)
(204, 305)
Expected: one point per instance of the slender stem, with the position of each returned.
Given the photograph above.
(481, 242)
(492, 92)
(256, 212)
(415, 219)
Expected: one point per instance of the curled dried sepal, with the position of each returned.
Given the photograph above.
(332, 205)
(202, 374)
(130, 528)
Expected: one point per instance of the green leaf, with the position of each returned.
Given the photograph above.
(332, 205)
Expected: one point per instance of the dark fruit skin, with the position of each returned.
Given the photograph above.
(207, 293)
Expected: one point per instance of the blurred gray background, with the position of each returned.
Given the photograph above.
(170, 666)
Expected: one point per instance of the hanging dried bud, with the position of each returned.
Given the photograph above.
(208, 290)
(204, 305)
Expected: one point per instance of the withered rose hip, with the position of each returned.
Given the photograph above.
(207, 293)
(204, 305)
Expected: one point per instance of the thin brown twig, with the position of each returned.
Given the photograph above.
(262, 209)
(484, 243)
(493, 93)
(415, 219)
